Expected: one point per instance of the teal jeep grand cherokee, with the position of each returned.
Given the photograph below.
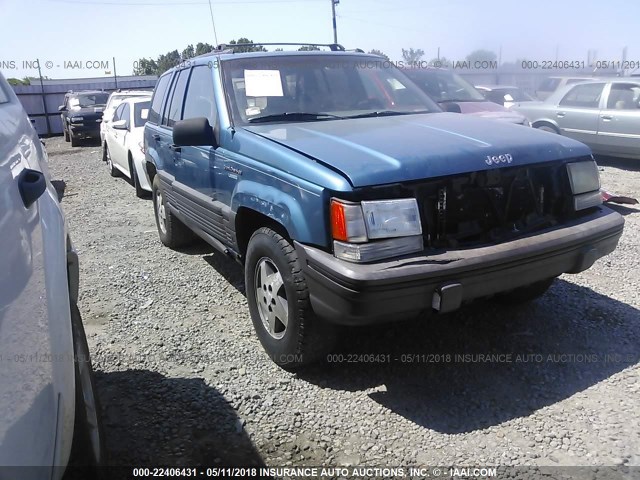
(351, 198)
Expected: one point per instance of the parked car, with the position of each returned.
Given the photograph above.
(115, 99)
(351, 198)
(455, 94)
(123, 144)
(604, 114)
(48, 406)
(552, 84)
(504, 95)
(81, 114)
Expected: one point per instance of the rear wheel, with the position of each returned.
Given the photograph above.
(113, 171)
(88, 445)
(172, 232)
(278, 297)
(140, 192)
(548, 128)
(525, 294)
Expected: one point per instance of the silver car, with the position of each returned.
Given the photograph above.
(48, 409)
(604, 114)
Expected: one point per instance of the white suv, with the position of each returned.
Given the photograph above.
(48, 407)
(114, 100)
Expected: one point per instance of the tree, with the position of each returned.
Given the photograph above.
(188, 52)
(254, 48)
(411, 55)
(202, 48)
(167, 61)
(17, 81)
(482, 56)
(145, 66)
(439, 62)
(379, 53)
(308, 48)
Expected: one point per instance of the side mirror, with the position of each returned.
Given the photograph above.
(120, 125)
(451, 107)
(62, 108)
(193, 132)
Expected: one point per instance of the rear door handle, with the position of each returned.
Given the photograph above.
(175, 148)
(560, 114)
(31, 184)
(606, 117)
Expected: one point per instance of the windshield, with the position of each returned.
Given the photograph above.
(89, 100)
(444, 86)
(140, 113)
(318, 87)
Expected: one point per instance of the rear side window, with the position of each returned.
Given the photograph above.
(158, 97)
(175, 109)
(199, 101)
(583, 96)
(140, 113)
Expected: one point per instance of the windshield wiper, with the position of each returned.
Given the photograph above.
(386, 113)
(293, 117)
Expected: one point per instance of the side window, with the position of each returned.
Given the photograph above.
(583, 96)
(158, 97)
(199, 101)
(118, 113)
(125, 114)
(624, 96)
(174, 112)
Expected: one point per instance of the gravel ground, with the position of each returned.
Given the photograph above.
(183, 380)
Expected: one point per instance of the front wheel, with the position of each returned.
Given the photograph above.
(278, 297)
(113, 171)
(172, 232)
(140, 192)
(88, 445)
(74, 140)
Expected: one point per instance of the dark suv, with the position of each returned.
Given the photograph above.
(81, 114)
(351, 198)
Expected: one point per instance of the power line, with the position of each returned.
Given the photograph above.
(173, 3)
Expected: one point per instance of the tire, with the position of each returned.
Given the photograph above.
(140, 192)
(173, 233)
(278, 297)
(525, 294)
(88, 444)
(66, 135)
(74, 140)
(104, 151)
(113, 171)
(547, 128)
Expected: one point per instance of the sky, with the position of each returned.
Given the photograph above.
(66, 34)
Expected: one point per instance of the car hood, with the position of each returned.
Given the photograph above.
(489, 110)
(96, 110)
(382, 150)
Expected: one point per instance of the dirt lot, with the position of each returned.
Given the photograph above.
(183, 380)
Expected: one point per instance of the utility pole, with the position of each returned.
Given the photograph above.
(44, 100)
(333, 13)
(115, 75)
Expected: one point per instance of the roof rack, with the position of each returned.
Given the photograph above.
(230, 47)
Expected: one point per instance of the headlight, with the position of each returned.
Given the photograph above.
(353, 225)
(76, 119)
(585, 184)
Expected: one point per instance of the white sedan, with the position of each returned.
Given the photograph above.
(114, 100)
(124, 147)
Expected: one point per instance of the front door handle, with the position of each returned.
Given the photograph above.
(560, 114)
(31, 184)
(606, 117)
(156, 136)
(175, 148)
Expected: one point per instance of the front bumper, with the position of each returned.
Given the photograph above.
(85, 130)
(358, 294)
